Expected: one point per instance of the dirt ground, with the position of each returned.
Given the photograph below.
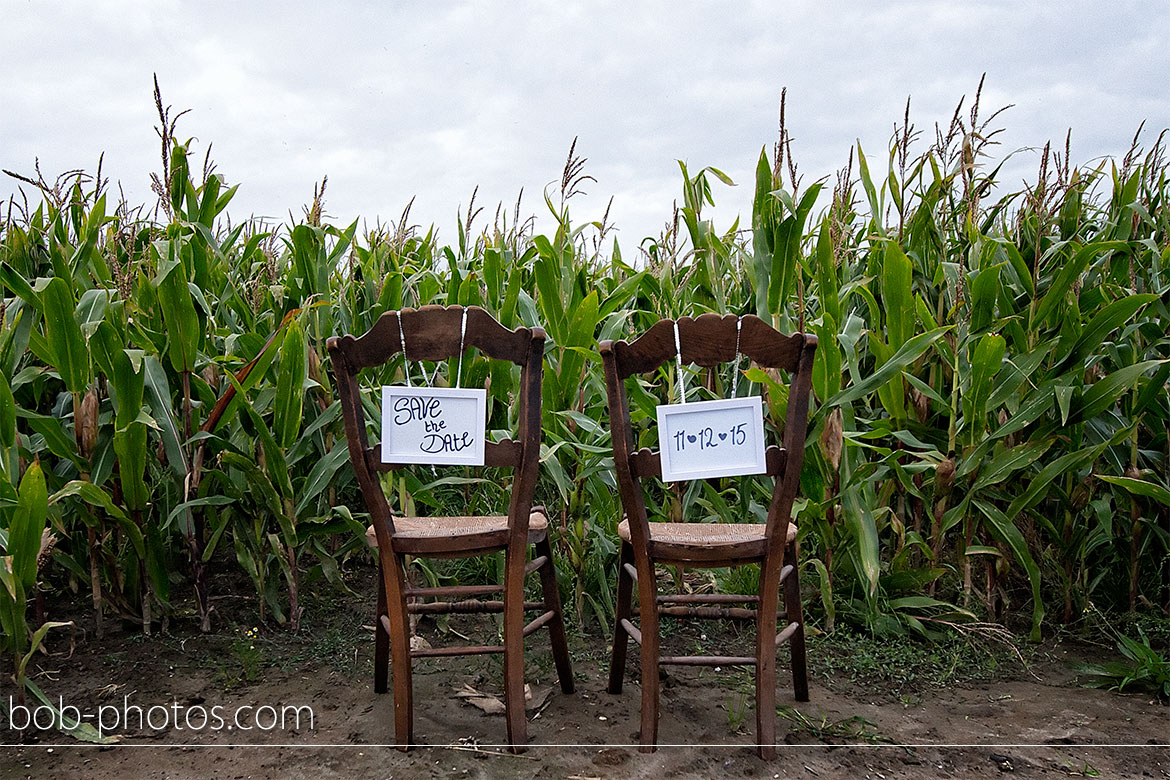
(1032, 720)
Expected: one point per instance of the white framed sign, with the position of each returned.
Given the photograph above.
(434, 425)
(723, 438)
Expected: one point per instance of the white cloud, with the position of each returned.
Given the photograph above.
(432, 99)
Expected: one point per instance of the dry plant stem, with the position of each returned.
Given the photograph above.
(1069, 577)
(92, 531)
(95, 581)
(136, 516)
(477, 749)
(294, 610)
(1135, 543)
(968, 539)
(917, 510)
(199, 573)
(38, 607)
(940, 509)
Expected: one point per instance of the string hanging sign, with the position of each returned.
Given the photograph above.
(701, 439)
(439, 426)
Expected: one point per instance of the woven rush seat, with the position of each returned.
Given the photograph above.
(408, 528)
(705, 533)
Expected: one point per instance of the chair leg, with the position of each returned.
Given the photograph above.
(514, 649)
(381, 638)
(648, 605)
(625, 588)
(392, 583)
(796, 615)
(556, 626)
(766, 618)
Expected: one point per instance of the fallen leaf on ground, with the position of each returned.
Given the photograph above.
(491, 704)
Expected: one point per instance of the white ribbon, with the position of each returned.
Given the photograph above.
(735, 366)
(462, 335)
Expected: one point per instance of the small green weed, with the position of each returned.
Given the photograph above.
(243, 661)
(854, 727)
(1085, 769)
(903, 665)
(1144, 668)
(737, 706)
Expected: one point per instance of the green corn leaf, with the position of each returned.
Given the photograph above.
(1139, 487)
(1064, 395)
(7, 413)
(876, 207)
(129, 383)
(862, 527)
(323, 475)
(12, 280)
(275, 464)
(1038, 403)
(1005, 531)
(986, 361)
(909, 352)
(897, 296)
(198, 502)
(290, 387)
(158, 398)
(90, 494)
(827, 366)
(78, 730)
(91, 309)
(923, 388)
(828, 286)
(1009, 461)
(786, 250)
(826, 590)
(1038, 487)
(1105, 392)
(1069, 272)
(52, 431)
(65, 340)
(1154, 390)
(1018, 369)
(27, 524)
(157, 564)
(97, 496)
(257, 479)
(178, 309)
(1105, 322)
(133, 449)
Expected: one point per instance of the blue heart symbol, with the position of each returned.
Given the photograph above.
(722, 436)
(691, 439)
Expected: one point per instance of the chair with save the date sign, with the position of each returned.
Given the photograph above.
(438, 333)
(708, 340)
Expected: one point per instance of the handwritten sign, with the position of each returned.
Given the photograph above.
(723, 438)
(440, 426)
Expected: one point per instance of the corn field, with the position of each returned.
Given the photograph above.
(988, 437)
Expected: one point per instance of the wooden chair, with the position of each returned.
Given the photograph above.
(435, 333)
(708, 341)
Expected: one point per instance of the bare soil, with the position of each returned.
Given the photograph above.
(1026, 720)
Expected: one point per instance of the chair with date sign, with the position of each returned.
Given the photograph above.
(436, 333)
(707, 341)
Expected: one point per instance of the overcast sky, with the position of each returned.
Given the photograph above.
(430, 99)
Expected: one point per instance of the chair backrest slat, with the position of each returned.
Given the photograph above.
(498, 454)
(433, 334)
(708, 340)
